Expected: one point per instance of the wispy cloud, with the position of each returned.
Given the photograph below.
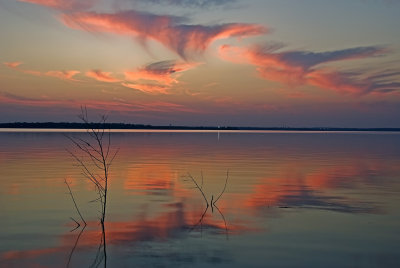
(164, 72)
(9, 98)
(296, 68)
(102, 76)
(147, 88)
(12, 65)
(67, 5)
(64, 75)
(157, 77)
(171, 31)
(113, 105)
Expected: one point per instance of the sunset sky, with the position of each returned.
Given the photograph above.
(202, 62)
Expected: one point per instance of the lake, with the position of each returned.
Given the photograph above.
(292, 199)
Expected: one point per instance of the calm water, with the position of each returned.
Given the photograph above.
(292, 200)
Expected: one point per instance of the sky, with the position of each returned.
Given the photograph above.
(309, 63)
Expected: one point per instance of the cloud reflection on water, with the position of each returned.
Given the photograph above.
(153, 207)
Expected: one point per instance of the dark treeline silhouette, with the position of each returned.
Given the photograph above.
(67, 125)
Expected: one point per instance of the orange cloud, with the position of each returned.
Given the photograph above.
(168, 30)
(335, 81)
(102, 76)
(163, 78)
(163, 73)
(66, 75)
(32, 72)
(296, 68)
(147, 88)
(12, 65)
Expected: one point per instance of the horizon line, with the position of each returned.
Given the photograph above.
(79, 125)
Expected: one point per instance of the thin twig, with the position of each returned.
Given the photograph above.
(223, 218)
(200, 220)
(73, 200)
(223, 190)
(74, 247)
(197, 186)
(77, 224)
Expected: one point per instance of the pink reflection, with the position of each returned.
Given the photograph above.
(302, 185)
(283, 176)
(162, 227)
(145, 178)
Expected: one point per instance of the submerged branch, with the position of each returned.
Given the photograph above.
(76, 206)
(223, 218)
(200, 221)
(223, 190)
(94, 162)
(200, 189)
(77, 225)
(74, 247)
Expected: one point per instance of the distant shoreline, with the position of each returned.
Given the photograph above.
(122, 126)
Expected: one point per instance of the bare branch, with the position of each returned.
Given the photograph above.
(76, 206)
(223, 218)
(200, 221)
(223, 190)
(77, 224)
(74, 247)
(197, 186)
(97, 151)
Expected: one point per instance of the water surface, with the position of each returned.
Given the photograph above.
(292, 200)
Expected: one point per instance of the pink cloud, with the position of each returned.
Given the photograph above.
(336, 81)
(297, 68)
(15, 66)
(65, 75)
(12, 65)
(15, 99)
(157, 77)
(143, 74)
(147, 88)
(114, 105)
(164, 72)
(32, 72)
(168, 30)
(102, 76)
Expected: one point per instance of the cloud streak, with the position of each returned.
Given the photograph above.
(157, 77)
(164, 72)
(12, 65)
(114, 105)
(297, 68)
(154, 78)
(63, 75)
(147, 88)
(171, 31)
(102, 76)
